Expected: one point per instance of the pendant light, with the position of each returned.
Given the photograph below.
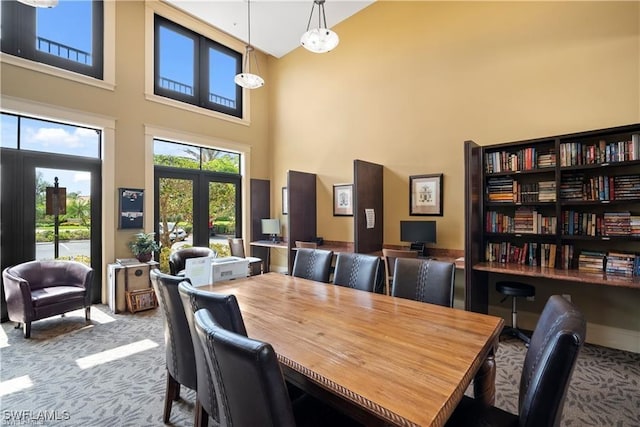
(40, 3)
(246, 78)
(321, 39)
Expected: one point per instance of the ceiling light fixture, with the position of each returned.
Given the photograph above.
(40, 3)
(321, 39)
(246, 79)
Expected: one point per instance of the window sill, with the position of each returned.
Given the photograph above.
(56, 72)
(195, 109)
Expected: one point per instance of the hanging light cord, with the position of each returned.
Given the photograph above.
(321, 15)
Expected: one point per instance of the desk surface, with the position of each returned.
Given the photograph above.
(400, 361)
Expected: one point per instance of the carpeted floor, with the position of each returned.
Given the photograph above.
(111, 373)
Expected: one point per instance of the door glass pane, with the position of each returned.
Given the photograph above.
(176, 212)
(74, 218)
(176, 59)
(222, 213)
(66, 31)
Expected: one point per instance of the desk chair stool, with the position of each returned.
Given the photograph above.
(515, 290)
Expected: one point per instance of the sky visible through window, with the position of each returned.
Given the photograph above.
(69, 23)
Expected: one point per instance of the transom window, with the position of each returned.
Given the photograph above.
(185, 156)
(25, 133)
(68, 36)
(194, 69)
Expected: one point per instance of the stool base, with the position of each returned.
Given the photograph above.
(515, 332)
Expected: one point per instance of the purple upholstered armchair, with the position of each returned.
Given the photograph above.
(35, 290)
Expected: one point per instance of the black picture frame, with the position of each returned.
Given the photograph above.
(343, 200)
(425, 195)
(131, 208)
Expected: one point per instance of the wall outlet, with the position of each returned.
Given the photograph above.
(531, 299)
(567, 297)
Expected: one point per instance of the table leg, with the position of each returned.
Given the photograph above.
(484, 383)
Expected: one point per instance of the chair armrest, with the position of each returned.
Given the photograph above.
(17, 293)
(80, 275)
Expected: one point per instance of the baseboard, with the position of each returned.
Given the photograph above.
(606, 336)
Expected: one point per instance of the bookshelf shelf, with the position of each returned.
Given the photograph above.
(576, 195)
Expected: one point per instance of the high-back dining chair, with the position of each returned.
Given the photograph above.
(236, 246)
(179, 358)
(225, 310)
(250, 375)
(389, 256)
(313, 264)
(309, 245)
(358, 271)
(546, 373)
(177, 259)
(424, 280)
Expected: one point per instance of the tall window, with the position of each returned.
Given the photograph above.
(193, 69)
(68, 36)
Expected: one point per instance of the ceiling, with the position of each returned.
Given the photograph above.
(276, 26)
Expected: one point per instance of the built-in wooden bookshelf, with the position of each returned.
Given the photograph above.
(564, 207)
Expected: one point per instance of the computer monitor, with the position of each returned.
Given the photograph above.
(418, 233)
(271, 226)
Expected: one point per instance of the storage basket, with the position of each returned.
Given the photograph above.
(142, 299)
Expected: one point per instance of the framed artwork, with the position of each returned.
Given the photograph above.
(285, 201)
(131, 208)
(343, 200)
(425, 194)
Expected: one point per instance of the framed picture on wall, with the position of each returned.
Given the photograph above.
(425, 194)
(343, 200)
(285, 201)
(131, 208)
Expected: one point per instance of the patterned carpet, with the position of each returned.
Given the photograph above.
(111, 373)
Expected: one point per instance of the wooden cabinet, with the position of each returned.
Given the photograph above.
(564, 207)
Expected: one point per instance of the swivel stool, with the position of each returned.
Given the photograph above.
(515, 290)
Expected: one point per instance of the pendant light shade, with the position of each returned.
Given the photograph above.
(321, 39)
(246, 78)
(40, 3)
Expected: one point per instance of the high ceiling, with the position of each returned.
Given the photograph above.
(276, 26)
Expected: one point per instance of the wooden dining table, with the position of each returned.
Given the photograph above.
(383, 360)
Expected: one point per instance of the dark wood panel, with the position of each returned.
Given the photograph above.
(302, 215)
(476, 282)
(367, 194)
(260, 204)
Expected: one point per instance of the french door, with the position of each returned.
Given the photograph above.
(205, 205)
(28, 229)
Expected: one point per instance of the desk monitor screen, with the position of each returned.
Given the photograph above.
(272, 227)
(418, 233)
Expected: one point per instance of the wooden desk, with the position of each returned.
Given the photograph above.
(384, 360)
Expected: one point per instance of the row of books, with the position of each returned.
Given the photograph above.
(601, 187)
(525, 221)
(616, 263)
(530, 253)
(521, 160)
(576, 223)
(549, 255)
(511, 191)
(579, 153)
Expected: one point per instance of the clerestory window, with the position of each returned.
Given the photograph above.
(68, 36)
(194, 69)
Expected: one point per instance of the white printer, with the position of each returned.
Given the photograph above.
(206, 270)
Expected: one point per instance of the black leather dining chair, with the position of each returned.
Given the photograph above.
(253, 384)
(313, 264)
(546, 373)
(177, 259)
(424, 280)
(225, 310)
(390, 256)
(179, 358)
(357, 271)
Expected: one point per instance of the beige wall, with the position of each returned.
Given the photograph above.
(411, 81)
(133, 112)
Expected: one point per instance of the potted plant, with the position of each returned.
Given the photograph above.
(143, 245)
